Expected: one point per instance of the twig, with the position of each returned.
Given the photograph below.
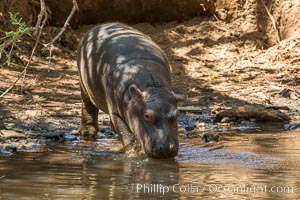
(10, 52)
(40, 28)
(49, 45)
(75, 7)
(49, 60)
(14, 83)
(43, 13)
(23, 73)
(273, 22)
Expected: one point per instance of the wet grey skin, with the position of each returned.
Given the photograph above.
(126, 75)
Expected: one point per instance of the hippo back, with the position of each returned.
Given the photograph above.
(108, 53)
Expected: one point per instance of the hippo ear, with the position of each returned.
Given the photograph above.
(135, 92)
(180, 97)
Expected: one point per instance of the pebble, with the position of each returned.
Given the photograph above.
(70, 137)
(31, 146)
(290, 127)
(225, 120)
(200, 124)
(10, 125)
(5, 153)
(7, 134)
(74, 132)
(202, 128)
(107, 133)
(9, 147)
(223, 129)
(183, 135)
(189, 128)
(244, 122)
(247, 128)
(208, 137)
(54, 134)
(103, 129)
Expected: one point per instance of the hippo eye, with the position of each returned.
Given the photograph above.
(149, 116)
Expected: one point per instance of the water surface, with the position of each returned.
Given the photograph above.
(264, 165)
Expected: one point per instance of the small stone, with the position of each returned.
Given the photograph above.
(7, 134)
(10, 125)
(244, 122)
(9, 147)
(225, 120)
(32, 113)
(252, 120)
(291, 127)
(5, 153)
(202, 128)
(21, 147)
(223, 129)
(103, 130)
(31, 146)
(106, 133)
(208, 137)
(189, 128)
(183, 135)
(200, 124)
(74, 132)
(247, 128)
(70, 137)
(55, 134)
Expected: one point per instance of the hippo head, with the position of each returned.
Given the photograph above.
(152, 117)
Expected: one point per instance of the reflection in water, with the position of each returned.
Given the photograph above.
(256, 165)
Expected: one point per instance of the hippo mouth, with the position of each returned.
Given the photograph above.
(161, 150)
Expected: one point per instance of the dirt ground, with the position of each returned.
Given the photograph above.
(216, 63)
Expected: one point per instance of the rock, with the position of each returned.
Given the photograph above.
(32, 113)
(225, 120)
(251, 111)
(10, 125)
(223, 129)
(104, 129)
(70, 137)
(9, 147)
(74, 132)
(187, 122)
(31, 146)
(5, 153)
(55, 134)
(189, 128)
(291, 127)
(245, 122)
(200, 124)
(246, 128)
(183, 135)
(208, 137)
(8, 134)
(107, 133)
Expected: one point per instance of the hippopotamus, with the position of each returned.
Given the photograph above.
(126, 75)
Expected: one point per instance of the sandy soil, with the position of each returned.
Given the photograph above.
(214, 62)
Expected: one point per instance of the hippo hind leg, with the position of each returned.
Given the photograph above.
(89, 117)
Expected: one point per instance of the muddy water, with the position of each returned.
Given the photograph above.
(263, 165)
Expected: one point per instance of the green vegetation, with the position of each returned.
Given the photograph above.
(11, 38)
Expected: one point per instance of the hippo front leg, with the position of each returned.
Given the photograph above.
(122, 129)
(89, 117)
